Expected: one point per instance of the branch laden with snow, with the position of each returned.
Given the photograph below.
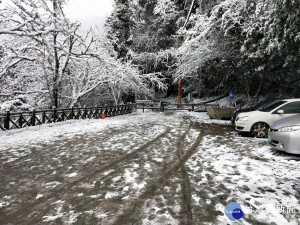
(43, 50)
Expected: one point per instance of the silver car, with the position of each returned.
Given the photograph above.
(284, 135)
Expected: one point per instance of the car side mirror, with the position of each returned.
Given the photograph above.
(280, 111)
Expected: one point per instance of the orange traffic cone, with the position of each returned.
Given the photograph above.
(103, 115)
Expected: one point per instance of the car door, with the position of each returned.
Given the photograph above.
(289, 109)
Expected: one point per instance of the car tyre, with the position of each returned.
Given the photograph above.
(260, 130)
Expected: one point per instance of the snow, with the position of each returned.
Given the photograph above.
(246, 176)
(3, 204)
(39, 196)
(69, 217)
(109, 195)
(47, 133)
(130, 178)
(204, 118)
(224, 167)
(52, 184)
(72, 174)
(14, 105)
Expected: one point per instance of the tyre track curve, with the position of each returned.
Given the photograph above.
(59, 192)
(129, 215)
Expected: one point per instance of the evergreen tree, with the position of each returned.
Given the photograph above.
(249, 46)
(120, 26)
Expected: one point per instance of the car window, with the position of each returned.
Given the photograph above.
(263, 104)
(272, 105)
(290, 108)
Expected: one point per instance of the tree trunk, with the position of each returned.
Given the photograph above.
(189, 14)
(55, 94)
(251, 101)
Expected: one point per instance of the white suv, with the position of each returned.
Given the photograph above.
(259, 122)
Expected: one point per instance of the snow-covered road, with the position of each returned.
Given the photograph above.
(151, 168)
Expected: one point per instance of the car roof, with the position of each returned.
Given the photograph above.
(291, 99)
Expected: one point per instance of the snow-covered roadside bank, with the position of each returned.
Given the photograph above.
(50, 132)
(204, 118)
(68, 129)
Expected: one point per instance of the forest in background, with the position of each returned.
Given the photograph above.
(248, 46)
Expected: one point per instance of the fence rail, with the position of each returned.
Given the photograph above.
(16, 120)
(163, 106)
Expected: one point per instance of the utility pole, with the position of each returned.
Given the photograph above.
(180, 55)
(180, 38)
(180, 74)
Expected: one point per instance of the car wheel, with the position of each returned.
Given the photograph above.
(260, 130)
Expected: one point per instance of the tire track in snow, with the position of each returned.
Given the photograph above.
(186, 204)
(59, 192)
(114, 163)
(130, 213)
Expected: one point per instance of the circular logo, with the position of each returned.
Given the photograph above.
(233, 211)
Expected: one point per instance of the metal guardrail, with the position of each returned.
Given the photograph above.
(163, 106)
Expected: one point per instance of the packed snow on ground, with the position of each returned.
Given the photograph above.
(258, 179)
(50, 132)
(223, 168)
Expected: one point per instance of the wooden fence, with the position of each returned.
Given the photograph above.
(16, 120)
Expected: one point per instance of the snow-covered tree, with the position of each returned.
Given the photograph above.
(38, 34)
(150, 43)
(103, 69)
(46, 55)
(120, 27)
(246, 45)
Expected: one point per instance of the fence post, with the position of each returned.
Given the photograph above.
(54, 115)
(162, 107)
(44, 117)
(63, 115)
(33, 118)
(20, 120)
(89, 111)
(193, 107)
(96, 113)
(143, 107)
(84, 113)
(6, 121)
(72, 113)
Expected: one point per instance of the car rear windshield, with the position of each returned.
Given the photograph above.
(272, 105)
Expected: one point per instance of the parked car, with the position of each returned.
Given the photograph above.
(258, 122)
(284, 135)
(258, 106)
